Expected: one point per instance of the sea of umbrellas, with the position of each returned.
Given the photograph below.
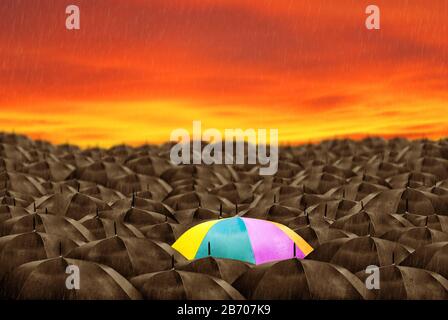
(114, 213)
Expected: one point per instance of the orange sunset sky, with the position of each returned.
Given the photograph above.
(139, 69)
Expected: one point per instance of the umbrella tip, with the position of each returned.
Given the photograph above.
(60, 248)
(275, 198)
(34, 223)
(115, 228)
(209, 249)
(362, 205)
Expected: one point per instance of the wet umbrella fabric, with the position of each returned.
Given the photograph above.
(251, 240)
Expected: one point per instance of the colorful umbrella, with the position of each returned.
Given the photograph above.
(251, 240)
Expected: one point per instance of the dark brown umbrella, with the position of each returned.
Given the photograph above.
(193, 216)
(58, 187)
(149, 165)
(129, 183)
(14, 153)
(107, 195)
(129, 256)
(432, 257)
(51, 170)
(73, 205)
(434, 221)
(193, 200)
(406, 200)
(102, 172)
(415, 237)
(323, 182)
(76, 160)
(316, 235)
(184, 285)
(226, 269)
(17, 249)
(144, 204)
(9, 212)
(193, 185)
(102, 227)
(22, 183)
(296, 279)
(46, 280)
(331, 170)
(384, 169)
(356, 254)
(275, 212)
(355, 191)
(364, 223)
(190, 172)
(433, 165)
(235, 192)
(405, 283)
(138, 217)
(60, 226)
(165, 232)
(413, 180)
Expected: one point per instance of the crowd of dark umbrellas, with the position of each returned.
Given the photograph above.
(114, 213)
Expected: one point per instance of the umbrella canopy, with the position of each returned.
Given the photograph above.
(299, 280)
(251, 240)
(149, 165)
(26, 247)
(364, 223)
(433, 257)
(73, 205)
(8, 212)
(193, 200)
(128, 256)
(102, 172)
(405, 283)
(102, 193)
(22, 183)
(129, 183)
(51, 170)
(235, 192)
(356, 254)
(137, 217)
(434, 221)
(102, 227)
(415, 237)
(226, 269)
(45, 280)
(406, 200)
(412, 179)
(61, 226)
(165, 232)
(183, 285)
